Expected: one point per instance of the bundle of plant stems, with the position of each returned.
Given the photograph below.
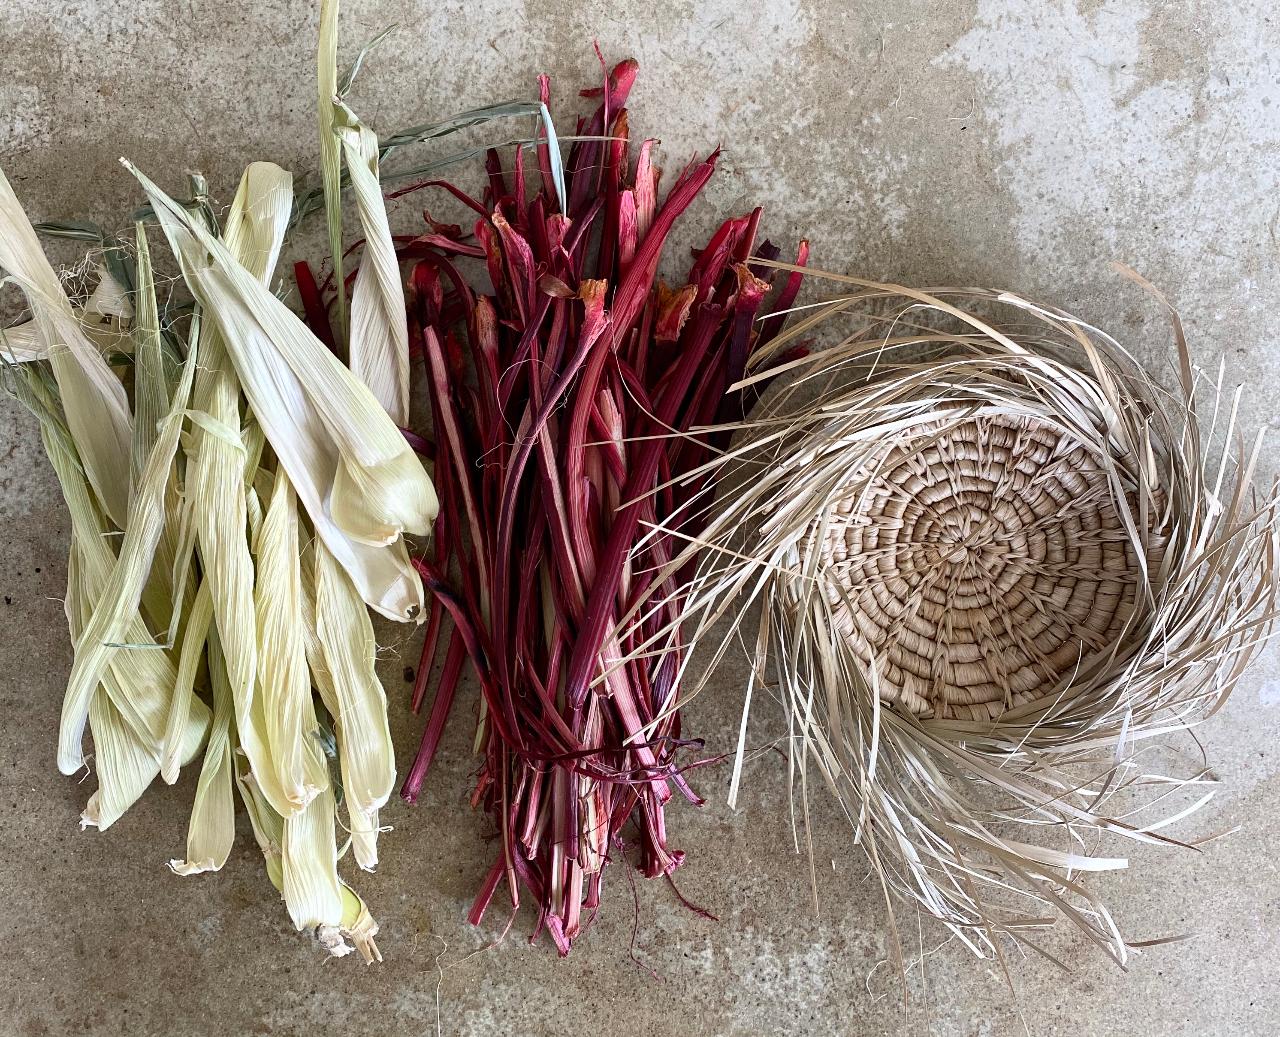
(561, 401)
(998, 568)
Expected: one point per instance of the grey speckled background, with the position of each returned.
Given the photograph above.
(1016, 143)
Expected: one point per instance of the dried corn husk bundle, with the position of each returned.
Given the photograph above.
(996, 571)
(239, 498)
(252, 501)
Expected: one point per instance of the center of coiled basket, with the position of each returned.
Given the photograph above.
(977, 563)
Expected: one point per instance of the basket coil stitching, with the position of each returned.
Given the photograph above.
(979, 562)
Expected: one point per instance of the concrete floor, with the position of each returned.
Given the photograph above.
(1012, 143)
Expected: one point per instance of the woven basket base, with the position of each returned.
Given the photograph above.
(979, 564)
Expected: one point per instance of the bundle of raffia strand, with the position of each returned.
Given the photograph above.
(996, 572)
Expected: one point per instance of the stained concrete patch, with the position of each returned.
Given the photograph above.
(1015, 144)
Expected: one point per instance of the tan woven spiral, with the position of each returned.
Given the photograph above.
(977, 563)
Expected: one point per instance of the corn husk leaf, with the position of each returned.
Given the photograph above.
(190, 655)
(287, 716)
(126, 762)
(267, 825)
(116, 608)
(162, 597)
(312, 891)
(343, 664)
(359, 481)
(330, 150)
(93, 399)
(379, 339)
(212, 829)
(364, 832)
(150, 386)
(357, 925)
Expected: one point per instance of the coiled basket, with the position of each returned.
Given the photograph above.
(995, 563)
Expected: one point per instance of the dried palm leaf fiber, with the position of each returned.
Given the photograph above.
(993, 568)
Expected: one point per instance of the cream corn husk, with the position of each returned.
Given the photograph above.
(379, 346)
(92, 398)
(251, 609)
(359, 480)
(997, 568)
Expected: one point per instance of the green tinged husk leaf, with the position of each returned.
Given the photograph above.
(349, 74)
(330, 151)
(150, 386)
(118, 604)
(153, 378)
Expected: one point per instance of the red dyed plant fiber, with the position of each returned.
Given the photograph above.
(558, 402)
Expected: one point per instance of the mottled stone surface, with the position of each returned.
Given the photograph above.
(1016, 143)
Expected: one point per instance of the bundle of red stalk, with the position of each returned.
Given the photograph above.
(561, 408)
